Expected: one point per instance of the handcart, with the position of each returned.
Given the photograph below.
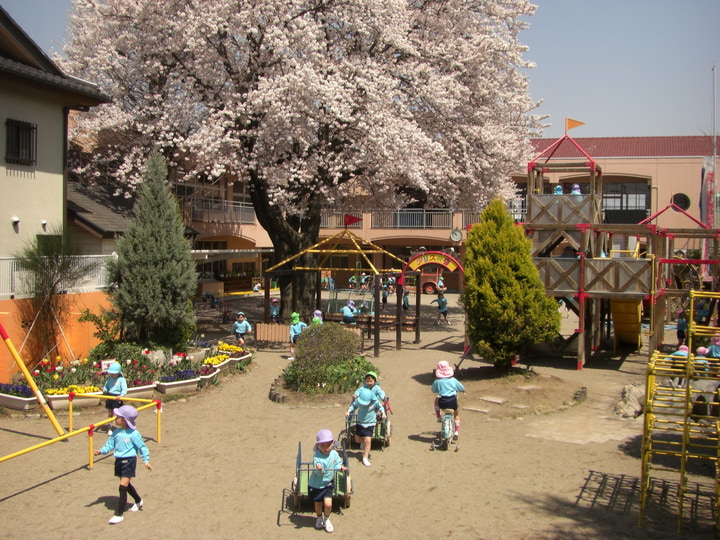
(382, 434)
(343, 487)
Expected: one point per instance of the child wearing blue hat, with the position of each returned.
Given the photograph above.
(116, 386)
(326, 461)
(241, 327)
(126, 442)
(368, 407)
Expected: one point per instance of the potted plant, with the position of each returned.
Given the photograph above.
(57, 381)
(208, 374)
(220, 361)
(17, 396)
(178, 375)
(141, 376)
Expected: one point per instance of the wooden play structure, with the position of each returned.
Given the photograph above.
(364, 251)
(606, 271)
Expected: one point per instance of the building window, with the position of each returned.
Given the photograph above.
(21, 142)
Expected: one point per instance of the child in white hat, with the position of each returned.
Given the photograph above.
(326, 461)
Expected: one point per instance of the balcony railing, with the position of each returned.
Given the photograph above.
(412, 218)
(16, 282)
(206, 211)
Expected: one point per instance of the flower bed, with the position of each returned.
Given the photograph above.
(19, 397)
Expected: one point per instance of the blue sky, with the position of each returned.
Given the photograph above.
(624, 67)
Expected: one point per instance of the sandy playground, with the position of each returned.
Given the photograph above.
(531, 464)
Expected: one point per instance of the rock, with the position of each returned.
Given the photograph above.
(632, 402)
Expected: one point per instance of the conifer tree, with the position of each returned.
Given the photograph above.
(506, 304)
(154, 274)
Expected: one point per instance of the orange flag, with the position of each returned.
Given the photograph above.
(570, 123)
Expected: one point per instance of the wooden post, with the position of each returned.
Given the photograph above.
(398, 315)
(418, 297)
(376, 317)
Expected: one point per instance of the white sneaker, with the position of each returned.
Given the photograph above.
(115, 519)
(366, 461)
(319, 524)
(328, 526)
(137, 506)
(291, 358)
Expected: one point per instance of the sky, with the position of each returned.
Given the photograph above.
(626, 68)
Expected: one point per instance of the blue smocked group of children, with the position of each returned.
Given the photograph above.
(370, 403)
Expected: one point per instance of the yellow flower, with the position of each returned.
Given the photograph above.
(55, 376)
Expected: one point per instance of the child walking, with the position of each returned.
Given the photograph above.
(447, 387)
(115, 385)
(296, 328)
(126, 442)
(326, 461)
(275, 310)
(241, 327)
(368, 407)
(442, 308)
(372, 385)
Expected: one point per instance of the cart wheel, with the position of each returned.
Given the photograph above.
(388, 433)
(296, 495)
(346, 501)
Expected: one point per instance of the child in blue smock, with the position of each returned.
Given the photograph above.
(368, 407)
(442, 308)
(115, 385)
(241, 327)
(372, 385)
(274, 310)
(126, 442)
(326, 461)
(446, 386)
(348, 312)
(296, 328)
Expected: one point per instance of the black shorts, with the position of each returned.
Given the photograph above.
(319, 494)
(349, 320)
(448, 402)
(681, 335)
(364, 431)
(239, 335)
(125, 467)
(111, 404)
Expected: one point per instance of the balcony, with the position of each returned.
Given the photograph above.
(209, 211)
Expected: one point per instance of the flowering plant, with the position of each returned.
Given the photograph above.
(227, 347)
(206, 369)
(74, 388)
(140, 371)
(79, 373)
(179, 368)
(215, 360)
(16, 389)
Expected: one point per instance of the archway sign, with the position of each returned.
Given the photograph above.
(448, 262)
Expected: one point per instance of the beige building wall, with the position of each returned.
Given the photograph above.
(33, 193)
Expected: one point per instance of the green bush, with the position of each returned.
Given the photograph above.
(326, 361)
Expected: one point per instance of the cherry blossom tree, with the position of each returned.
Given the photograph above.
(317, 104)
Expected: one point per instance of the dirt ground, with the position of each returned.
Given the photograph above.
(532, 462)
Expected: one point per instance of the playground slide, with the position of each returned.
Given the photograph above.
(626, 317)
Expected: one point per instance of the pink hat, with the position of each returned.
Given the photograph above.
(683, 348)
(701, 351)
(443, 370)
(715, 340)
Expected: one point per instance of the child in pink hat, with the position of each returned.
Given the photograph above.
(446, 386)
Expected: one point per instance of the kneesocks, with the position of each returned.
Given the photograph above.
(133, 493)
(122, 503)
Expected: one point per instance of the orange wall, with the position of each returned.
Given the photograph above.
(79, 335)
